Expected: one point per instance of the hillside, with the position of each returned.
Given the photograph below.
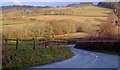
(41, 22)
(35, 11)
(110, 5)
(118, 11)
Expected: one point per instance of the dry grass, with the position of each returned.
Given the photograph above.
(86, 10)
(56, 22)
(54, 25)
(81, 19)
(109, 30)
(72, 35)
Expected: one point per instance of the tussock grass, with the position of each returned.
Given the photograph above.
(42, 29)
(50, 25)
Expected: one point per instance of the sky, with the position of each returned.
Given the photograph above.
(46, 2)
(42, 3)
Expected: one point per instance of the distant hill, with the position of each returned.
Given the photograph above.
(86, 3)
(110, 5)
(25, 6)
(80, 4)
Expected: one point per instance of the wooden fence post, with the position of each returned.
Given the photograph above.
(40, 42)
(17, 43)
(45, 44)
(67, 42)
(57, 42)
(34, 43)
(6, 42)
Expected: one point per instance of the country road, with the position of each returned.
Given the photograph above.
(85, 59)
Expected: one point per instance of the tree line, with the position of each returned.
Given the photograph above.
(110, 5)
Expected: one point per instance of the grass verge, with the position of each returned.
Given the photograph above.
(23, 58)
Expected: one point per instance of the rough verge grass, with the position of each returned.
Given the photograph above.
(23, 58)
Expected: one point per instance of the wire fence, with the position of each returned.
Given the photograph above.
(35, 42)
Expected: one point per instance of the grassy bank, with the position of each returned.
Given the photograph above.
(23, 58)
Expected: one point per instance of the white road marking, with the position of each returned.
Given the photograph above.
(92, 54)
(96, 57)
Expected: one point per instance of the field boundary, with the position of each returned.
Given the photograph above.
(44, 42)
(109, 45)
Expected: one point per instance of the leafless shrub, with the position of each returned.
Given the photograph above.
(109, 30)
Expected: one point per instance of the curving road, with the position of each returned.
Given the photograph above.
(85, 59)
